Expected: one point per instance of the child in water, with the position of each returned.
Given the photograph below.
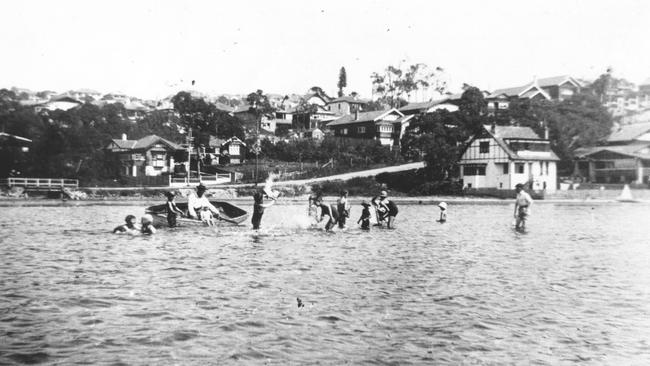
(522, 207)
(128, 228)
(147, 225)
(443, 212)
(206, 216)
(365, 216)
(343, 206)
(172, 210)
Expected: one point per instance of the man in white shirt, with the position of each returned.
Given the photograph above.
(522, 207)
(195, 203)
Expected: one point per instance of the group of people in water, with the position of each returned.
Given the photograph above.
(323, 214)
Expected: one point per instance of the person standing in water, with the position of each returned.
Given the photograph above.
(258, 208)
(443, 212)
(327, 212)
(172, 210)
(343, 206)
(522, 207)
(365, 216)
(391, 209)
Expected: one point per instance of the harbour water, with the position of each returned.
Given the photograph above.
(573, 289)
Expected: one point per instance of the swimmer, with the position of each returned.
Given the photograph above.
(259, 206)
(328, 213)
(343, 206)
(129, 227)
(443, 212)
(147, 225)
(172, 210)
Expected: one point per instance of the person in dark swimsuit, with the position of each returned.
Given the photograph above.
(172, 210)
(329, 211)
(258, 208)
(365, 216)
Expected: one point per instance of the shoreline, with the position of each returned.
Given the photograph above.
(300, 200)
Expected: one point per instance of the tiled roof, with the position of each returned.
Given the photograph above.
(556, 80)
(422, 105)
(639, 150)
(348, 99)
(544, 82)
(363, 117)
(144, 143)
(629, 132)
(502, 133)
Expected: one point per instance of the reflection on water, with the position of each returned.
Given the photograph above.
(574, 289)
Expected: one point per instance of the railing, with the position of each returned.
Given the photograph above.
(205, 179)
(40, 183)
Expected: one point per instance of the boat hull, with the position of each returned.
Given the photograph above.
(229, 213)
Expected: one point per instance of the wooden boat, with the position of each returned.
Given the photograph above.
(229, 213)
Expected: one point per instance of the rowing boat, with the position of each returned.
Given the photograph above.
(228, 213)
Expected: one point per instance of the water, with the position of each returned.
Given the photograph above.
(574, 289)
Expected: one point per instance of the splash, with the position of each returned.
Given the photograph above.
(268, 186)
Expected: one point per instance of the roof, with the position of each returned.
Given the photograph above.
(629, 132)
(363, 117)
(144, 143)
(503, 133)
(425, 105)
(639, 150)
(135, 106)
(523, 91)
(64, 98)
(242, 108)
(348, 99)
(224, 107)
(233, 139)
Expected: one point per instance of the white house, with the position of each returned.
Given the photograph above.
(503, 156)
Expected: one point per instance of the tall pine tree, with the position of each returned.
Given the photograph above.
(343, 81)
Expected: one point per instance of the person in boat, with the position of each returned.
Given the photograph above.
(195, 203)
(328, 213)
(258, 208)
(147, 225)
(343, 206)
(365, 216)
(389, 207)
(172, 210)
(443, 212)
(522, 207)
(129, 227)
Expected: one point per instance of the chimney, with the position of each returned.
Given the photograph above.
(123, 137)
(545, 132)
(493, 128)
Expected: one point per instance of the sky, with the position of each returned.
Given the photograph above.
(152, 49)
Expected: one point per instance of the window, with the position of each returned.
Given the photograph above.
(385, 128)
(519, 168)
(484, 147)
(158, 159)
(344, 131)
(506, 168)
(233, 149)
(477, 169)
(361, 129)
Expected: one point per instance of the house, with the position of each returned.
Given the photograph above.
(271, 125)
(346, 105)
(552, 88)
(385, 126)
(503, 156)
(149, 156)
(135, 111)
(62, 102)
(428, 107)
(625, 158)
(319, 117)
(233, 151)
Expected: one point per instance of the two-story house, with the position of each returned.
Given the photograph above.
(385, 126)
(346, 105)
(552, 88)
(149, 156)
(503, 156)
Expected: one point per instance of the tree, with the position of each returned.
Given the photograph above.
(395, 82)
(342, 81)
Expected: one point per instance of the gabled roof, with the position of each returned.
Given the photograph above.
(524, 91)
(65, 98)
(233, 139)
(224, 107)
(557, 80)
(424, 106)
(629, 132)
(144, 143)
(364, 117)
(242, 108)
(503, 133)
